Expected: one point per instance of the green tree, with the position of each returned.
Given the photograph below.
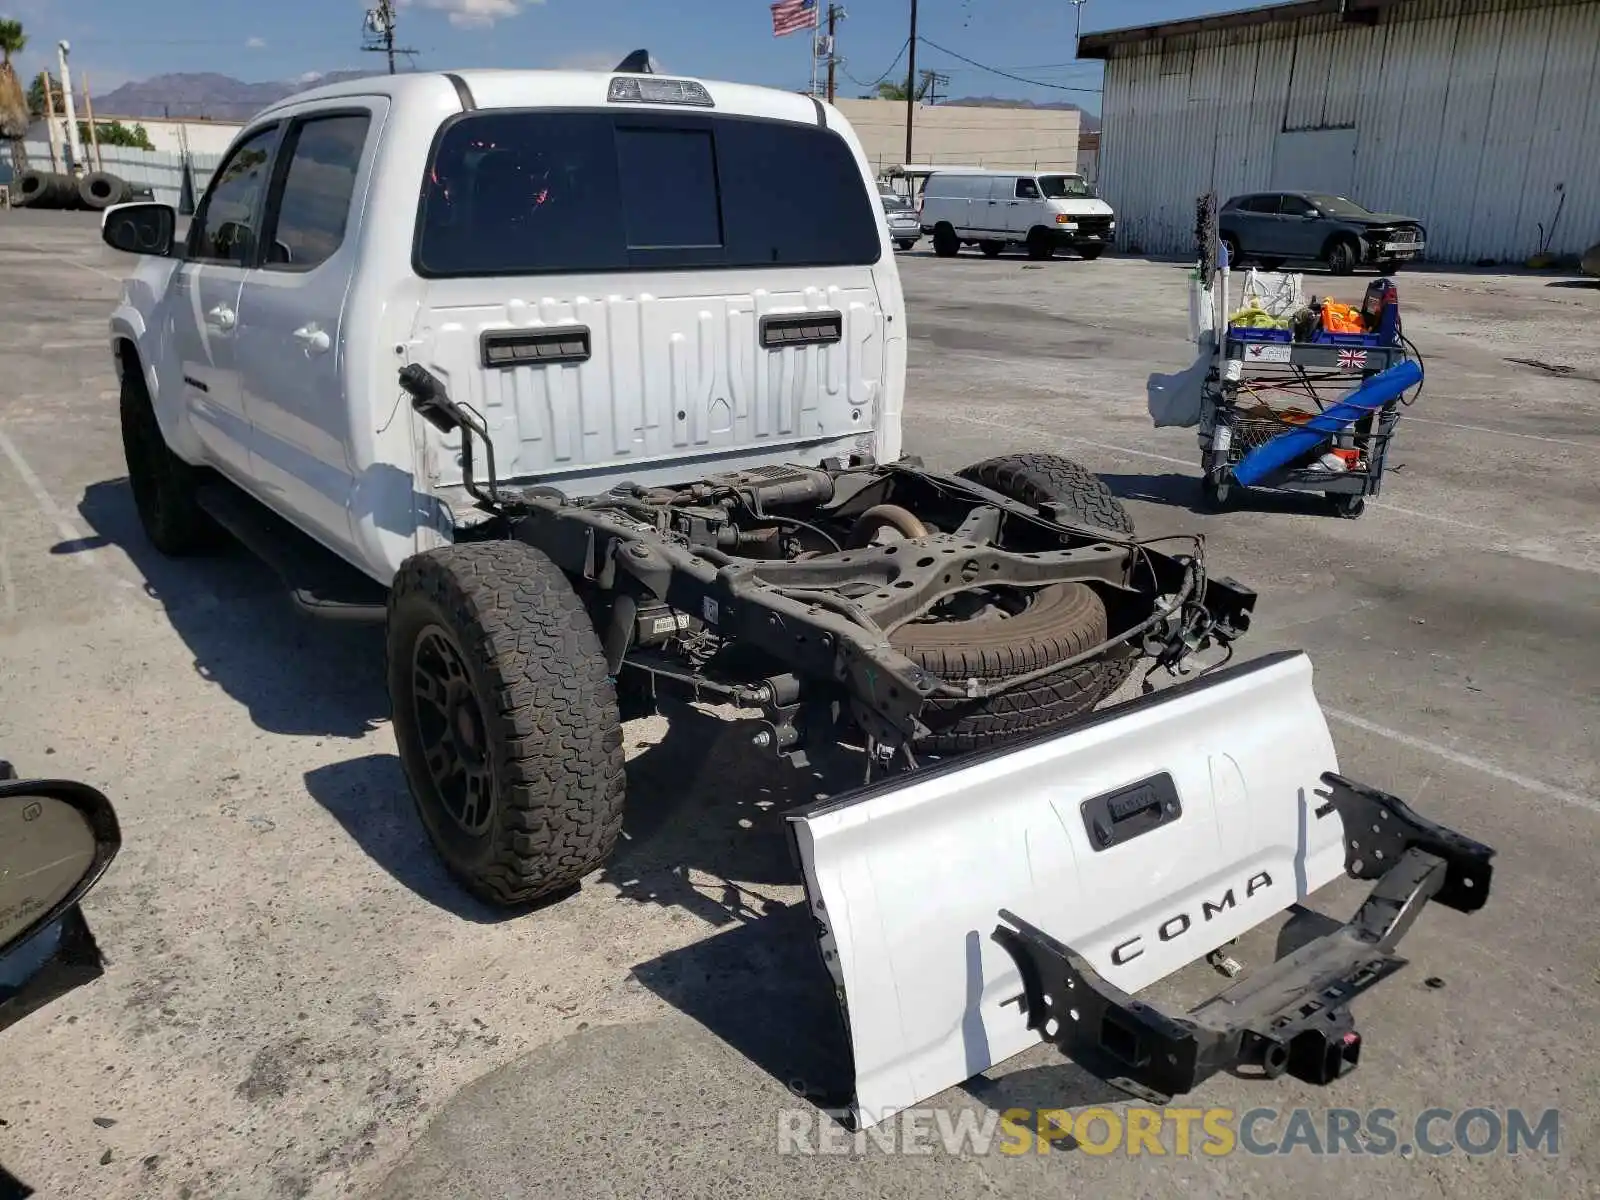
(897, 91)
(36, 94)
(13, 102)
(115, 133)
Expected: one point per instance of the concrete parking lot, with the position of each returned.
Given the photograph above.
(300, 1003)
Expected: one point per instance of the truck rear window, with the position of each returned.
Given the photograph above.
(525, 193)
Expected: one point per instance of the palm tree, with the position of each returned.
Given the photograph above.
(13, 100)
(897, 91)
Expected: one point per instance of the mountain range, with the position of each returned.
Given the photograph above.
(223, 98)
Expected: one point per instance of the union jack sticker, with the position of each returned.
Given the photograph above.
(1351, 360)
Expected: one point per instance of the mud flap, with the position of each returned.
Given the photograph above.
(1143, 839)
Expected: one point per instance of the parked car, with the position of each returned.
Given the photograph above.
(1272, 228)
(995, 209)
(905, 227)
(1591, 261)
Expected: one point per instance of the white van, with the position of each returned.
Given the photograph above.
(1045, 212)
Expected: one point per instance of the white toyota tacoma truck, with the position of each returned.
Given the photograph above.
(588, 386)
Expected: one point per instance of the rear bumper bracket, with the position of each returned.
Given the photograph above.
(1293, 1016)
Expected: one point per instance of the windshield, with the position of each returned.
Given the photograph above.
(1065, 187)
(528, 192)
(894, 202)
(1338, 206)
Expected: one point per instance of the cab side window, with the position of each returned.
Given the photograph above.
(225, 228)
(1027, 189)
(311, 212)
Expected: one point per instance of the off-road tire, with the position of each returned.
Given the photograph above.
(945, 242)
(1090, 253)
(991, 249)
(1343, 257)
(163, 484)
(550, 724)
(1061, 622)
(1050, 478)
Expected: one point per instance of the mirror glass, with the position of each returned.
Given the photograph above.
(46, 848)
(140, 229)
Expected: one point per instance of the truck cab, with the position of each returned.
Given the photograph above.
(614, 270)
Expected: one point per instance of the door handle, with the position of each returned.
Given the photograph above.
(313, 339)
(222, 316)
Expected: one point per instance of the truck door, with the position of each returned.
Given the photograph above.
(292, 306)
(205, 299)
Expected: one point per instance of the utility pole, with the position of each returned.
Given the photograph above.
(1077, 30)
(911, 84)
(933, 81)
(64, 48)
(380, 33)
(835, 15)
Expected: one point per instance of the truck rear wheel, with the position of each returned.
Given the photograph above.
(1052, 479)
(163, 484)
(505, 718)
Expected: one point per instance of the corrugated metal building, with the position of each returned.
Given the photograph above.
(1480, 117)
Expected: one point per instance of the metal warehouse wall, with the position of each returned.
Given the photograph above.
(1023, 139)
(1477, 116)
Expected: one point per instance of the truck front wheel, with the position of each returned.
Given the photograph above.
(163, 484)
(505, 718)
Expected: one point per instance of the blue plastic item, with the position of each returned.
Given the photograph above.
(1246, 333)
(1371, 396)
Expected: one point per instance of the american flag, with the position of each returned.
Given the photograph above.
(791, 16)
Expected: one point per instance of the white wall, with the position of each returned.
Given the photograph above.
(170, 137)
(1467, 114)
(1022, 139)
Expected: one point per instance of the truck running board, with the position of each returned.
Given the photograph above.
(320, 583)
(1136, 843)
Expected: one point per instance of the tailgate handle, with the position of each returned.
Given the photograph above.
(1120, 816)
(552, 345)
(802, 329)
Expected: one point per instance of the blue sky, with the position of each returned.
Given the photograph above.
(116, 40)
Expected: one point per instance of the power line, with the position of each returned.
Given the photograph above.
(886, 72)
(1007, 74)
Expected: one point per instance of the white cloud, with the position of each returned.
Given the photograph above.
(308, 77)
(474, 14)
(256, 43)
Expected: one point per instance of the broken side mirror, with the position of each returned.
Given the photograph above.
(140, 228)
(56, 840)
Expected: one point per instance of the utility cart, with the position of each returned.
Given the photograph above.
(1304, 408)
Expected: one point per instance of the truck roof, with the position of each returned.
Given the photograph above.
(504, 88)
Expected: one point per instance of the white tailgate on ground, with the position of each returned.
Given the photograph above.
(1143, 840)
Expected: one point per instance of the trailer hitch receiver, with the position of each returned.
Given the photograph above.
(1292, 1017)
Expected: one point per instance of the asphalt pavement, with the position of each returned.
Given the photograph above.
(300, 1003)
